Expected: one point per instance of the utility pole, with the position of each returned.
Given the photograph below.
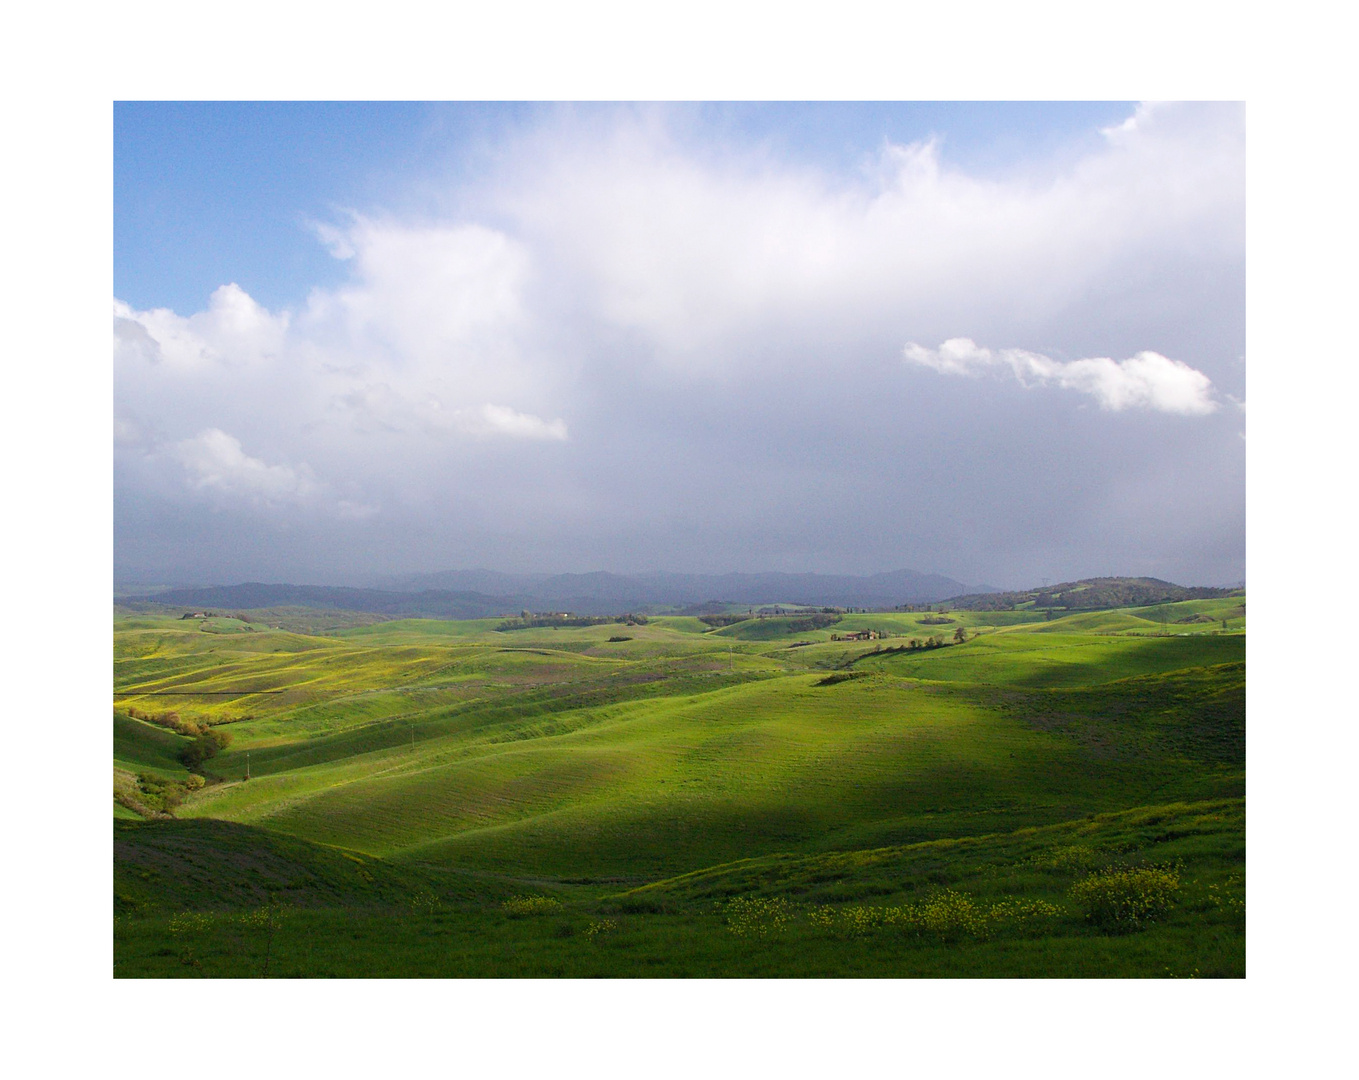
(247, 764)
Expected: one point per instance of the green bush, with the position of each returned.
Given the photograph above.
(205, 746)
(841, 676)
(599, 926)
(756, 916)
(948, 916)
(171, 720)
(1121, 901)
(519, 906)
(153, 796)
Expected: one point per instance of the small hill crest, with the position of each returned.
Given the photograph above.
(1091, 594)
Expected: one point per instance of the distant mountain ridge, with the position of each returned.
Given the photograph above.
(479, 594)
(640, 590)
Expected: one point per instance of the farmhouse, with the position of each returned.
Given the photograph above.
(857, 635)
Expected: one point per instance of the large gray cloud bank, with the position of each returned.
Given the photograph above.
(624, 349)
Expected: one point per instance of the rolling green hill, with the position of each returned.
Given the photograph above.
(461, 768)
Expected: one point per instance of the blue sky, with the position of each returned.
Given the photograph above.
(211, 192)
(997, 341)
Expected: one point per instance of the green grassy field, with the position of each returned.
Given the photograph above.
(1052, 796)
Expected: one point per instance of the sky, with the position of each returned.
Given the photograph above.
(1003, 342)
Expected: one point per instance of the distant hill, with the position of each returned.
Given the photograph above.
(1090, 594)
(434, 604)
(481, 594)
(615, 593)
(434, 595)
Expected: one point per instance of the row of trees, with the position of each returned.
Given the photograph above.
(915, 643)
(935, 641)
(207, 742)
(527, 620)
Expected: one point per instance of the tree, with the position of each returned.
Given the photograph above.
(204, 746)
(960, 635)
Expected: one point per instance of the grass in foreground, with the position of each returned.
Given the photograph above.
(1015, 904)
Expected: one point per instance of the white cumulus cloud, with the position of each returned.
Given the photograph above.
(500, 420)
(1147, 380)
(215, 462)
(234, 330)
(694, 252)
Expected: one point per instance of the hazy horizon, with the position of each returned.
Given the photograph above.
(396, 580)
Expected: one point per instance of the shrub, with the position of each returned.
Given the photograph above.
(153, 796)
(756, 916)
(719, 621)
(178, 724)
(205, 745)
(198, 752)
(519, 906)
(190, 922)
(129, 797)
(172, 720)
(841, 676)
(1228, 900)
(1121, 901)
(424, 902)
(950, 915)
(1071, 856)
(1025, 914)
